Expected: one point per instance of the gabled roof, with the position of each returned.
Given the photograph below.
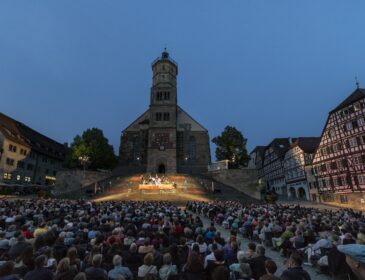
(358, 94)
(143, 119)
(190, 118)
(308, 144)
(259, 150)
(281, 145)
(24, 135)
(10, 129)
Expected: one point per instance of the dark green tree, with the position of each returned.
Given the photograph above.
(231, 145)
(93, 145)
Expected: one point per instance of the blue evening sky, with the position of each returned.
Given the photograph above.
(272, 68)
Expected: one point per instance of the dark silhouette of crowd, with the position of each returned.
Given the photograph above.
(124, 240)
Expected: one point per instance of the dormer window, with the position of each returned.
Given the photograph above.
(357, 106)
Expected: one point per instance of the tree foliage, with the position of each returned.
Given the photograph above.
(94, 145)
(231, 145)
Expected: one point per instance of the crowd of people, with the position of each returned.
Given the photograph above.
(125, 240)
(317, 235)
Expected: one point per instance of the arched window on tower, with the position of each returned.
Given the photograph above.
(192, 148)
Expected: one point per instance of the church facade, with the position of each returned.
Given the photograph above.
(165, 139)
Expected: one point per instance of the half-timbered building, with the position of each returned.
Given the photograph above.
(299, 155)
(339, 162)
(273, 165)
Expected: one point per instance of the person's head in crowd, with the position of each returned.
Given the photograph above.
(260, 250)
(245, 270)
(148, 259)
(200, 239)
(194, 263)
(241, 256)
(295, 260)
(41, 261)
(270, 267)
(72, 253)
(6, 268)
(167, 259)
(97, 259)
(252, 246)
(221, 273)
(213, 247)
(117, 260)
(63, 265)
(196, 248)
(219, 255)
(133, 248)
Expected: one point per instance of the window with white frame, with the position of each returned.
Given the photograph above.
(361, 179)
(332, 133)
(353, 142)
(361, 121)
(349, 126)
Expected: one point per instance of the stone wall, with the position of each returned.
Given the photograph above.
(244, 180)
(68, 180)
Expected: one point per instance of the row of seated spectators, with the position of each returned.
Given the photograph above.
(66, 239)
(313, 233)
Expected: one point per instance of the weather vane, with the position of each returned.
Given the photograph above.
(357, 82)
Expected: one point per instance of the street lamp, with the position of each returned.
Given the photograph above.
(84, 160)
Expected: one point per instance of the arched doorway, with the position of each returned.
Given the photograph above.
(161, 169)
(301, 193)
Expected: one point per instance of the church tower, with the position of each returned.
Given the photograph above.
(161, 149)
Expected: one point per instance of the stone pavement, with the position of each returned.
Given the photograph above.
(274, 255)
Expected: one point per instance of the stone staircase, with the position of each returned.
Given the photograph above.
(197, 187)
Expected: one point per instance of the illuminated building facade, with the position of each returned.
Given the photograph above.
(165, 139)
(296, 160)
(26, 156)
(339, 162)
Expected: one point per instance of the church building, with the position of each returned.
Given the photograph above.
(165, 139)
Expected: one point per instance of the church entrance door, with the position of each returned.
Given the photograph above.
(162, 169)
